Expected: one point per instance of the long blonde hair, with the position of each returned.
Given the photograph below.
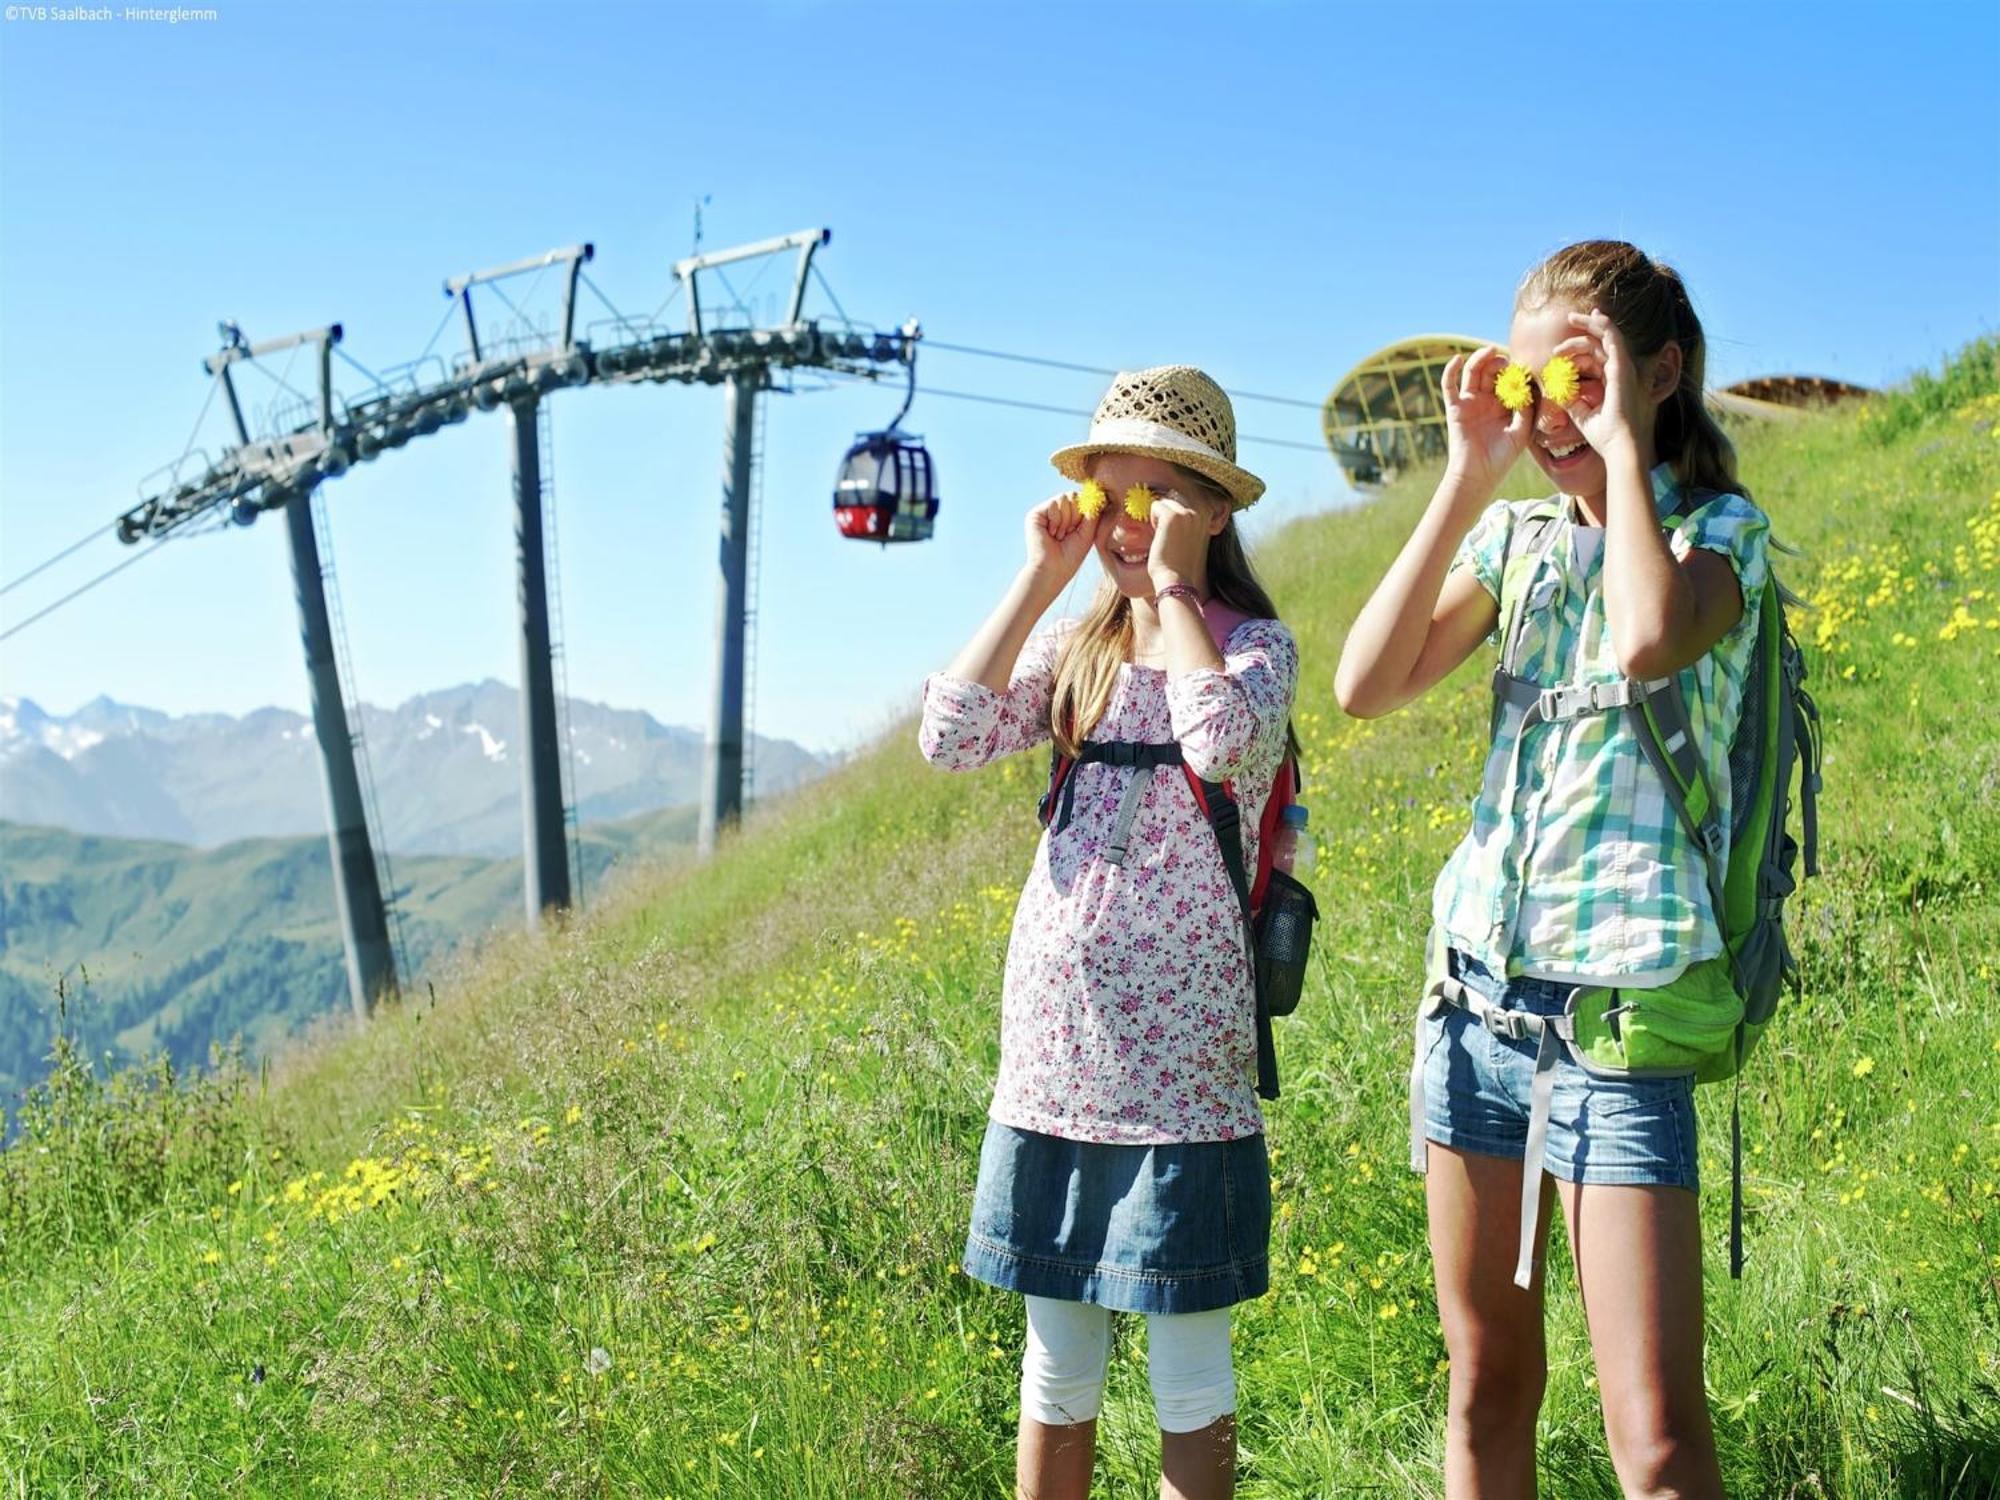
(1648, 301)
(1087, 670)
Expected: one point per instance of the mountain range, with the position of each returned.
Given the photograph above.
(446, 771)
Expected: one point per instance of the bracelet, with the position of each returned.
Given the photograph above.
(1185, 591)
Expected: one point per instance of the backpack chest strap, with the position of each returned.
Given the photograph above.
(1134, 755)
(1555, 705)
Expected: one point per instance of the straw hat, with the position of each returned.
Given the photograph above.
(1170, 412)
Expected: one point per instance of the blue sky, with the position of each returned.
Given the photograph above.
(1268, 190)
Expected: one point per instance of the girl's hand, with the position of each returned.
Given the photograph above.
(1059, 539)
(1180, 541)
(1609, 409)
(1482, 437)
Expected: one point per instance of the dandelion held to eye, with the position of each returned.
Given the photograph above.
(1515, 387)
(1139, 502)
(1091, 500)
(1559, 380)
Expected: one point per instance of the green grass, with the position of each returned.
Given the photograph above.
(669, 1203)
(157, 947)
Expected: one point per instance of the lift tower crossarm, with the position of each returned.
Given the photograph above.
(805, 241)
(461, 287)
(235, 348)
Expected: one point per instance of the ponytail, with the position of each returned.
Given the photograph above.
(1687, 435)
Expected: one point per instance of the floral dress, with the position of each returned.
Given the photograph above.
(1127, 1014)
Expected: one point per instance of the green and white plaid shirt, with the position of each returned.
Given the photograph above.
(1577, 866)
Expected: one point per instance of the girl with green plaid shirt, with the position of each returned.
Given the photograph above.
(1576, 870)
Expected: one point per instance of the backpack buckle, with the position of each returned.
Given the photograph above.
(1514, 1025)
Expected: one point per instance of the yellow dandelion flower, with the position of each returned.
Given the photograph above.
(1559, 380)
(1091, 500)
(1139, 502)
(1864, 1067)
(1515, 387)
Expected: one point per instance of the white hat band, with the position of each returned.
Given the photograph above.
(1139, 432)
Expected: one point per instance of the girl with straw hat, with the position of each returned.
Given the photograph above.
(1123, 1167)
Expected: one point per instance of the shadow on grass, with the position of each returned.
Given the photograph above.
(1952, 1466)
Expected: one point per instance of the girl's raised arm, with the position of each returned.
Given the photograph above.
(993, 699)
(1424, 619)
(1059, 539)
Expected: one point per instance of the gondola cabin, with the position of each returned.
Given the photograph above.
(886, 491)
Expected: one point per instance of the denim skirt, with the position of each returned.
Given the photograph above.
(1176, 1228)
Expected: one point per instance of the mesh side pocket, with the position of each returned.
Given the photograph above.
(1284, 940)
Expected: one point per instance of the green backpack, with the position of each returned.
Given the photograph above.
(1706, 1021)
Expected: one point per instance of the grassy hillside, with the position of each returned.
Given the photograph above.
(670, 1203)
(139, 946)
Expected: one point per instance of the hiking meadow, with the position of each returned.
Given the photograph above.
(669, 1202)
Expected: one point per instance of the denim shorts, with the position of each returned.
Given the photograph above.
(1173, 1228)
(1613, 1130)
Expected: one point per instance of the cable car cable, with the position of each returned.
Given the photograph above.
(13, 630)
(1063, 364)
(1077, 411)
(50, 562)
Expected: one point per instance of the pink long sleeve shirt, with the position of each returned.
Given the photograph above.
(1127, 1014)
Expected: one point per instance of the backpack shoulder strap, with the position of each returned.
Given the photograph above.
(1218, 805)
(1060, 794)
(1533, 535)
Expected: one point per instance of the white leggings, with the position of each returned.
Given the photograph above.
(1069, 1345)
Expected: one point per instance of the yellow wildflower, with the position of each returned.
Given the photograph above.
(1515, 387)
(1864, 1067)
(1091, 500)
(1559, 380)
(1139, 502)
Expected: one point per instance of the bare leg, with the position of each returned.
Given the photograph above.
(1199, 1465)
(1492, 1329)
(1054, 1462)
(1638, 1262)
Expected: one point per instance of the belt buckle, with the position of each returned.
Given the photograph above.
(1506, 1023)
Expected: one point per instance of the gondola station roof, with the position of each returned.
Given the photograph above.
(1799, 390)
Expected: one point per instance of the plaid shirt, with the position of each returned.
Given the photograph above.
(1577, 866)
